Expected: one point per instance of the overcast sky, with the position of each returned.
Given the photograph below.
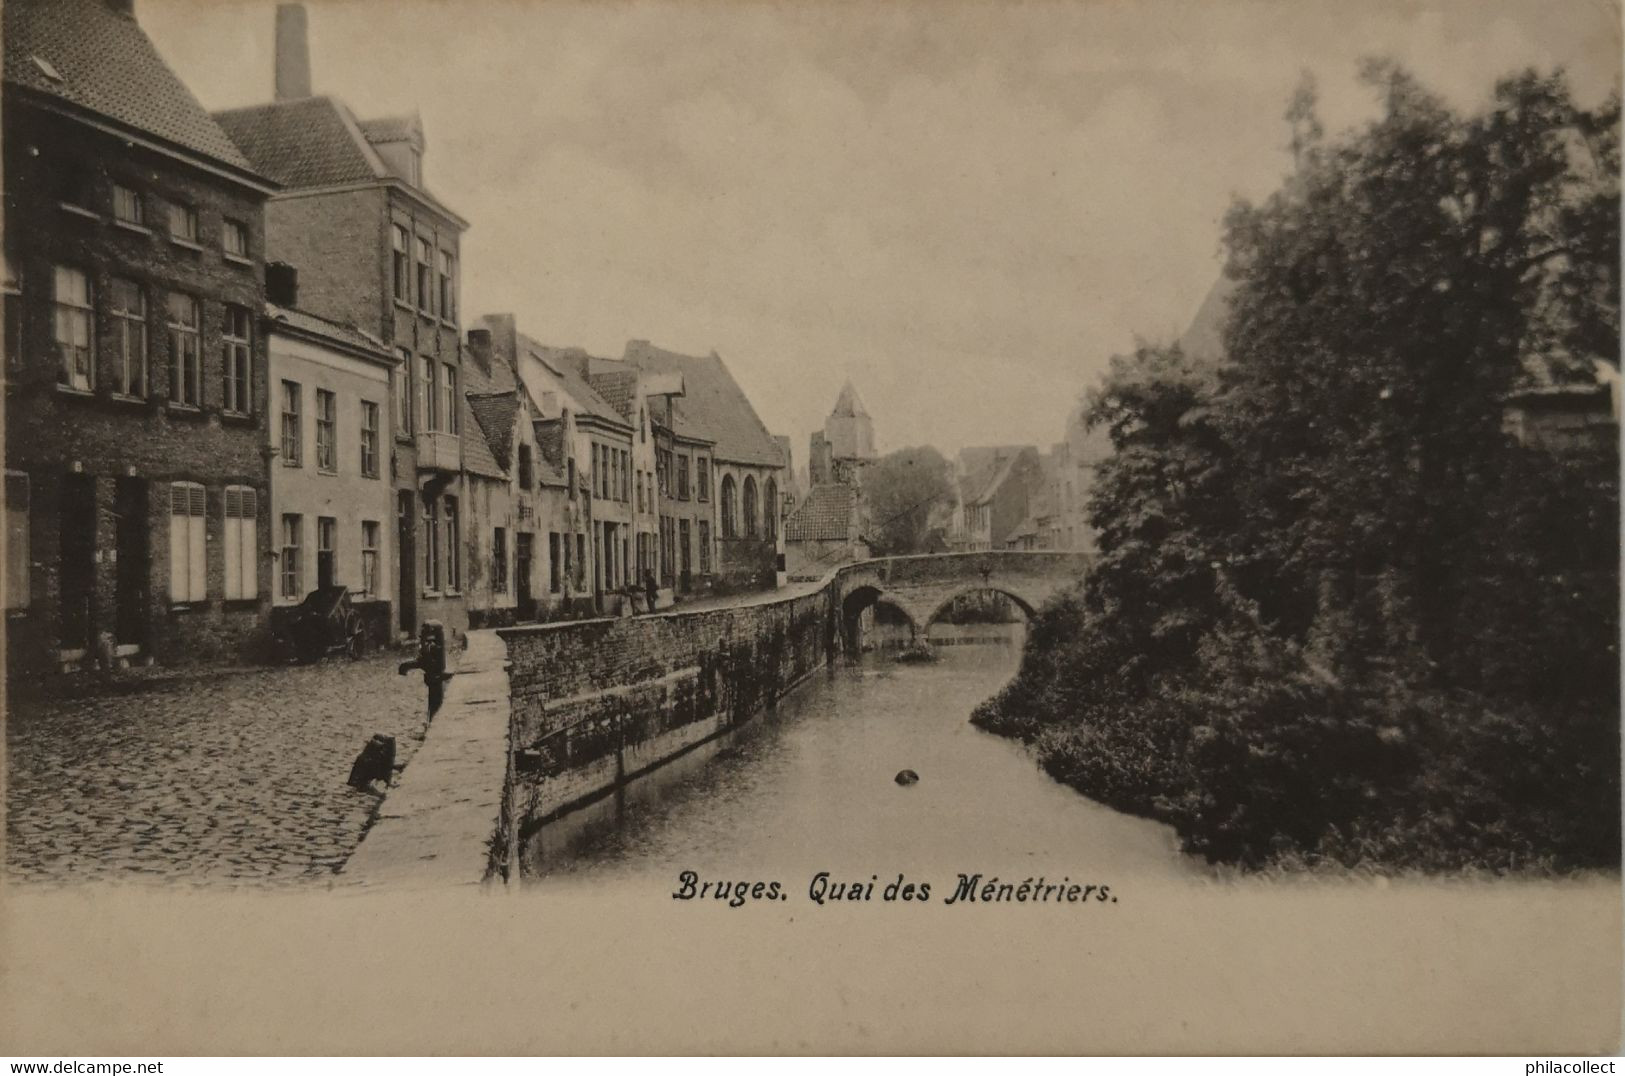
(966, 209)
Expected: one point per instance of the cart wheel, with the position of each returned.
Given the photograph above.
(355, 638)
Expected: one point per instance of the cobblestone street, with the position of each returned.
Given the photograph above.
(232, 778)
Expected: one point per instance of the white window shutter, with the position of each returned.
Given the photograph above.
(178, 578)
(197, 552)
(248, 544)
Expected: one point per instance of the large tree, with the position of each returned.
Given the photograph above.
(1337, 612)
(908, 492)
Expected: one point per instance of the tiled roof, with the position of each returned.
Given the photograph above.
(826, 514)
(393, 129)
(550, 446)
(477, 457)
(619, 388)
(986, 468)
(307, 142)
(347, 335)
(314, 142)
(108, 65)
(496, 414)
(714, 403)
(568, 364)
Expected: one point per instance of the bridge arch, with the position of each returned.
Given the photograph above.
(1028, 608)
(867, 596)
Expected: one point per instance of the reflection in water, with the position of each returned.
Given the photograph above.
(811, 786)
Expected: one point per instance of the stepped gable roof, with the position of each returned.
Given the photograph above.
(847, 405)
(714, 408)
(311, 142)
(569, 365)
(86, 54)
(826, 514)
(337, 332)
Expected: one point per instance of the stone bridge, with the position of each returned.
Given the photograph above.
(922, 586)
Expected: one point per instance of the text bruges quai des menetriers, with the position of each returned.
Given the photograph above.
(826, 889)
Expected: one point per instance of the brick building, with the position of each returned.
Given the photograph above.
(748, 472)
(135, 369)
(515, 562)
(997, 488)
(830, 524)
(376, 250)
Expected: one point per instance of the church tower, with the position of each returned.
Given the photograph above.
(846, 443)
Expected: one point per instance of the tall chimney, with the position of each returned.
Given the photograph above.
(292, 53)
(479, 349)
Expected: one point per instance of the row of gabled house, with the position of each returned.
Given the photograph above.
(238, 368)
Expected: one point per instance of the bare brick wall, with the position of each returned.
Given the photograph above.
(101, 440)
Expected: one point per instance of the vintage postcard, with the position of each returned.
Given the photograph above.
(1082, 526)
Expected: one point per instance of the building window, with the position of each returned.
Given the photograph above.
(183, 223)
(454, 574)
(448, 403)
(327, 431)
(73, 188)
(292, 427)
(683, 553)
(188, 566)
(425, 276)
(403, 393)
(499, 561)
(242, 543)
(75, 336)
(730, 525)
(292, 559)
(597, 471)
(527, 476)
(369, 558)
(750, 507)
(18, 560)
(702, 474)
(431, 545)
(705, 547)
(640, 492)
(327, 568)
(553, 562)
(13, 290)
(682, 478)
(369, 439)
(234, 239)
(127, 207)
(448, 286)
(770, 509)
(428, 404)
(185, 363)
(234, 355)
(130, 337)
(401, 261)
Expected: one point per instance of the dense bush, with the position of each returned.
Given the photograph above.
(1338, 616)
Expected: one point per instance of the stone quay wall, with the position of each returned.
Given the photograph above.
(597, 703)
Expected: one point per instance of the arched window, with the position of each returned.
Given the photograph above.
(750, 507)
(730, 525)
(770, 509)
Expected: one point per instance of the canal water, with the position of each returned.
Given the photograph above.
(810, 786)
